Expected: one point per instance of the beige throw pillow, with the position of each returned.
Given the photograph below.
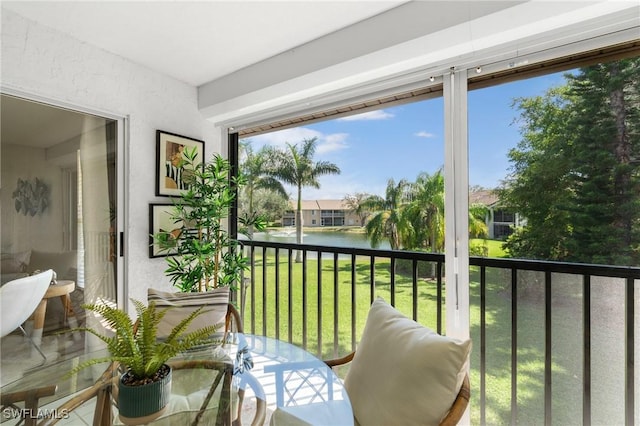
(215, 302)
(404, 373)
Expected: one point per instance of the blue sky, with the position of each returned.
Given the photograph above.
(405, 140)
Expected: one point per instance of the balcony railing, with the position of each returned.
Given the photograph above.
(553, 342)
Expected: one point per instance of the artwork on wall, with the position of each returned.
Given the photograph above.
(171, 174)
(31, 196)
(164, 227)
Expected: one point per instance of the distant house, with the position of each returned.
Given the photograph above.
(500, 222)
(321, 213)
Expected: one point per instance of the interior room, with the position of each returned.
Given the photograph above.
(48, 221)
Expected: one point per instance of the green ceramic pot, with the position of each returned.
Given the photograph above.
(143, 403)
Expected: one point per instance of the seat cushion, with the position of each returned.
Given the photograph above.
(63, 263)
(12, 263)
(402, 372)
(215, 301)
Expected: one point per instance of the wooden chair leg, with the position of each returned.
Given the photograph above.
(31, 400)
(103, 415)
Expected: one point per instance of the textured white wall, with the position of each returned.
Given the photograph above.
(47, 64)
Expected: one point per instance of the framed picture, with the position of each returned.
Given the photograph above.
(163, 230)
(170, 170)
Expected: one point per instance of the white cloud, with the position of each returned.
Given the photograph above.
(332, 142)
(326, 142)
(282, 137)
(371, 115)
(424, 134)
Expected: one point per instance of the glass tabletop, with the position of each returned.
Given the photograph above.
(71, 399)
(298, 387)
(295, 386)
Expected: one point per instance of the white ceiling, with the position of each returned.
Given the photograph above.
(198, 41)
(192, 41)
(224, 45)
(41, 126)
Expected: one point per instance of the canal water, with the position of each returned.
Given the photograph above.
(324, 238)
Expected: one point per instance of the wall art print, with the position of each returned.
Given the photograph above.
(170, 170)
(164, 228)
(31, 196)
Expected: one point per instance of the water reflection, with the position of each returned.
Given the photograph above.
(323, 238)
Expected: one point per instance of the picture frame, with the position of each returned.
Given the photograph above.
(169, 147)
(161, 222)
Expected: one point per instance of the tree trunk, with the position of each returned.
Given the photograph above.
(299, 234)
(622, 150)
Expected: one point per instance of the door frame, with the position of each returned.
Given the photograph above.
(122, 218)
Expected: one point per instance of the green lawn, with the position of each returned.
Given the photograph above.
(334, 310)
(335, 325)
(494, 247)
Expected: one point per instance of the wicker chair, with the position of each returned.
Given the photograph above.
(457, 409)
(419, 374)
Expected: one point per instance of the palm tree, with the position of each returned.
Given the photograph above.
(295, 166)
(478, 229)
(355, 203)
(426, 213)
(477, 223)
(387, 220)
(254, 167)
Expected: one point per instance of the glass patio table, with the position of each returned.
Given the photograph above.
(210, 386)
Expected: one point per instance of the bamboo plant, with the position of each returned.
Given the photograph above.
(204, 254)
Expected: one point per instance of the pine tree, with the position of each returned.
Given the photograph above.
(605, 179)
(576, 172)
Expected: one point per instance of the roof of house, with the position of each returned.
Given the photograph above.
(332, 205)
(488, 197)
(320, 205)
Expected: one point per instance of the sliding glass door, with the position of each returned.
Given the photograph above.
(60, 201)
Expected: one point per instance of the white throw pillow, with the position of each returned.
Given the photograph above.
(404, 373)
(215, 304)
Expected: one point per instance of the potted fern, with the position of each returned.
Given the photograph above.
(145, 386)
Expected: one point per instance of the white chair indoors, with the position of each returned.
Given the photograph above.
(19, 298)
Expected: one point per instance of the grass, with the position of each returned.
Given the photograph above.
(339, 328)
(494, 247)
(334, 310)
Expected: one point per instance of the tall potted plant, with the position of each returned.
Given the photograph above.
(145, 386)
(206, 257)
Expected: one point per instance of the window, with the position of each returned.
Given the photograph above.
(501, 232)
(568, 181)
(503, 216)
(369, 165)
